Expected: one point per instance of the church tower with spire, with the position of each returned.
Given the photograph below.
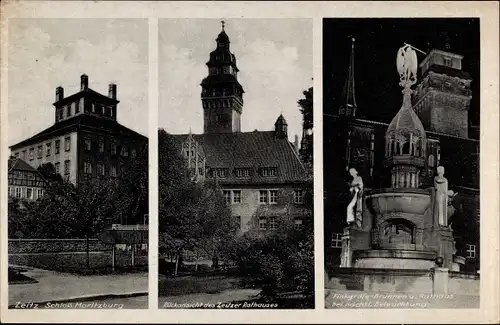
(222, 94)
(348, 105)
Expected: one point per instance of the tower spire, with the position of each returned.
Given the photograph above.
(223, 23)
(348, 106)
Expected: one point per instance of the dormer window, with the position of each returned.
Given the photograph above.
(219, 172)
(242, 172)
(268, 172)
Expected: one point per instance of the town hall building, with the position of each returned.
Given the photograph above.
(260, 172)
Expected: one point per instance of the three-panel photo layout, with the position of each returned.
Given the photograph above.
(246, 214)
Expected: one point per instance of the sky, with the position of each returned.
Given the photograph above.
(274, 57)
(378, 94)
(46, 53)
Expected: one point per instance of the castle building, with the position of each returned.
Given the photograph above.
(86, 141)
(25, 182)
(406, 153)
(260, 172)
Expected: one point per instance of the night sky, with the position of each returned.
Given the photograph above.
(378, 94)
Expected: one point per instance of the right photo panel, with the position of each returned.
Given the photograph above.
(401, 162)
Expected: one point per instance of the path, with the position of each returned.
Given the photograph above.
(53, 286)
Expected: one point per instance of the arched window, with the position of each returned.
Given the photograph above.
(406, 148)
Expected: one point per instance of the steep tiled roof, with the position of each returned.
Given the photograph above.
(81, 122)
(19, 164)
(257, 149)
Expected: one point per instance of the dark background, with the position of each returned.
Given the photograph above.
(378, 94)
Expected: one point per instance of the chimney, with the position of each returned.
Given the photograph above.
(112, 91)
(296, 143)
(59, 93)
(84, 82)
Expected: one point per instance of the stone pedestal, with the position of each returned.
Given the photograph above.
(440, 280)
(346, 255)
(446, 246)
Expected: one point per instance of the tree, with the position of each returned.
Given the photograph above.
(306, 108)
(192, 216)
(131, 199)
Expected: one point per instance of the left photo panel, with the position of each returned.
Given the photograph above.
(78, 163)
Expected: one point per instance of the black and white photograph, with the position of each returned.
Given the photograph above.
(78, 163)
(401, 162)
(235, 201)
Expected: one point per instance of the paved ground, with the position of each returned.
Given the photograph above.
(200, 300)
(361, 299)
(53, 286)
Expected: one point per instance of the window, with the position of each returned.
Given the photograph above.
(242, 172)
(200, 171)
(431, 165)
(66, 167)
(100, 169)
(39, 193)
(113, 171)
(113, 148)
(68, 110)
(471, 251)
(57, 167)
(133, 153)
(220, 172)
(336, 240)
(101, 145)
(18, 192)
(39, 152)
(60, 112)
(298, 196)
(58, 146)
(237, 196)
(273, 196)
(298, 224)
(23, 155)
(124, 151)
(88, 144)
(67, 144)
(17, 154)
(32, 153)
(227, 196)
(29, 193)
(11, 191)
(48, 148)
(268, 172)
(447, 61)
(273, 223)
(87, 167)
(262, 197)
(262, 223)
(74, 107)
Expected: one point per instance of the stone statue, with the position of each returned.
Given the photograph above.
(406, 62)
(441, 186)
(355, 207)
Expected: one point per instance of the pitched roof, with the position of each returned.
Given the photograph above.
(84, 92)
(257, 149)
(82, 121)
(19, 164)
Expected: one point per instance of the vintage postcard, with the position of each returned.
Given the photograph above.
(77, 168)
(167, 162)
(401, 134)
(235, 164)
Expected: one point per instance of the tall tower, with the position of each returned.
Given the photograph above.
(442, 99)
(348, 106)
(222, 94)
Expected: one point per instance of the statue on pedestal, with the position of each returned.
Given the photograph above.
(441, 186)
(355, 207)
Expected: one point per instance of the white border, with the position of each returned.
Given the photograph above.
(488, 14)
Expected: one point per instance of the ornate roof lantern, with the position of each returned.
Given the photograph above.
(405, 137)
